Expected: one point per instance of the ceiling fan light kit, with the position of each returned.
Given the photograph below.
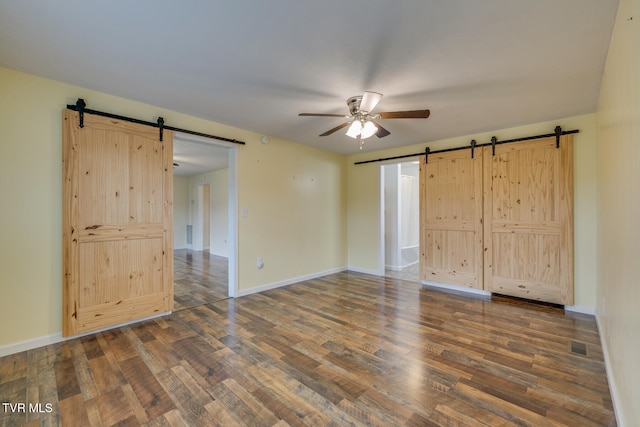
(368, 129)
(364, 129)
(355, 129)
(361, 119)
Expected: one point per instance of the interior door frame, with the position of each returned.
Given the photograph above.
(232, 232)
(381, 271)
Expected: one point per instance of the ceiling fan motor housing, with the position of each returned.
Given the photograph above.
(354, 104)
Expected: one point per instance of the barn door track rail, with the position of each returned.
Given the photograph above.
(81, 107)
(557, 132)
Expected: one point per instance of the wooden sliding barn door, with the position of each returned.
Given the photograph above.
(451, 218)
(528, 220)
(117, 222)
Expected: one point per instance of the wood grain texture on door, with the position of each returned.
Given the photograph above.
(117, 222)
(528, 220)
(451, 218)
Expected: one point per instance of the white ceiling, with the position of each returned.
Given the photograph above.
(195, 155)
(477, 65)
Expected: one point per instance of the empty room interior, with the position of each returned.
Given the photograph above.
(327, 214)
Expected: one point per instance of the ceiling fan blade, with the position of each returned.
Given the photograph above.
(382, 132)
(414, 114)
(330, 131)
(322, 115)
(369, 101)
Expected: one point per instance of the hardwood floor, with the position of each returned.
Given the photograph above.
(410, 273)
(344, 349)
(199, 278)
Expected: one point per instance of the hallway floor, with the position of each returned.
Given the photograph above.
(199, 278)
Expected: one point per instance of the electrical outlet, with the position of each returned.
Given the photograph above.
(260, 263)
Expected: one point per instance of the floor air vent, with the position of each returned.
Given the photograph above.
(578, 348)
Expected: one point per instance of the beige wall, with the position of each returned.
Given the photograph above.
(292, 212)
(618, 280)
(219, 187)
(219, 208)
(180, 211)
(295, 196)
(364, 198)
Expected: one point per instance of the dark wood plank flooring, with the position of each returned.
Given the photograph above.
(344, 349)
(199, 278)
(410, 273)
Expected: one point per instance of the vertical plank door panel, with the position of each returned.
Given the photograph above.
(117, 222)
(528, 220)
(451, 218)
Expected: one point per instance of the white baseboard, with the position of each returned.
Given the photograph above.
(580, 309)
(456, 288)
(31, 344)
(287, 282)
(365, 271)
(57, 337)
(399, 267)
(615, 397)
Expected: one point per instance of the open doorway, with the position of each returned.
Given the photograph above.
(205, 236)
(400, 219)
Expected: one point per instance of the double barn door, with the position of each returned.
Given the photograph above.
(500, 222)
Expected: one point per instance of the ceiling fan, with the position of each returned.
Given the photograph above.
(361, 117)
